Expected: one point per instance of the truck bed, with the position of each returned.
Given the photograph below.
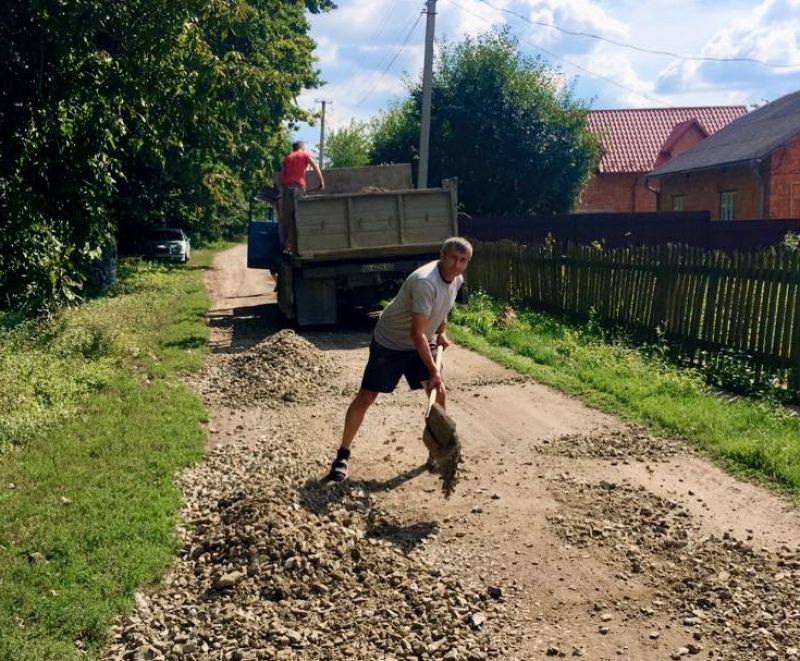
(375, 223)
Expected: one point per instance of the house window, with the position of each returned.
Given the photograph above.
(727, 205)
(678, 202)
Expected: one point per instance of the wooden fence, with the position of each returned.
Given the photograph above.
(619, 230)
(708, 303)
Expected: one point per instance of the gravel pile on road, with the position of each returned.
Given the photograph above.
(278, 567)
(285, 368)
(734, 602)
(618, 445)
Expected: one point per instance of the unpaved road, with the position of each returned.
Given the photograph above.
(604, 542)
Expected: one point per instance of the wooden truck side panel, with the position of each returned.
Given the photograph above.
(335, 224)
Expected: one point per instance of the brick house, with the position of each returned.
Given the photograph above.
(636, 140)
(749, 169)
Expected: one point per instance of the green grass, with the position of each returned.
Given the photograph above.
(94, 425)
(754, 437)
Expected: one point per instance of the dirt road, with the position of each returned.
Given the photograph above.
(591, 539)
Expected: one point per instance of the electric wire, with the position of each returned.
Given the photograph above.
(378, 31)
(389, 65)
(594, 74)
(383, 61)
(641, 49)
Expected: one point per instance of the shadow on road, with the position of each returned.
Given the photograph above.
(248, 325)
(338, 499)
(406, 538)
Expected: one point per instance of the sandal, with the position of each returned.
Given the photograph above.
(338, 472)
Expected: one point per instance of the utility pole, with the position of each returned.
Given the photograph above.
(427, 79)
(324, 102)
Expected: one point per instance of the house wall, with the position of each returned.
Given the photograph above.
(781, 180)
(622, 193)
(703, 189)
(689, 139)
(783, 197)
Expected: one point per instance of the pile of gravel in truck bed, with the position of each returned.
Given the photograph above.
(284, 368)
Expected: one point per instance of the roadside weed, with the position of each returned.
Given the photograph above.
(95, 422)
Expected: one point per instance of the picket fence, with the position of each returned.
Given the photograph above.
(743, 305)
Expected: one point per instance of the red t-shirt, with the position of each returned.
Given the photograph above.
(294, 168)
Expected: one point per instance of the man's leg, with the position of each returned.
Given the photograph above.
(352, 422)
(355, 415)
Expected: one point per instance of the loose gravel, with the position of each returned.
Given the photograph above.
(282, 369)
(616, 445)
(276, 566)
(733, 602)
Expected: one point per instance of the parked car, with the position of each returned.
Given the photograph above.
(167, 243)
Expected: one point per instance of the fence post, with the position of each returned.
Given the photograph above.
(662, 287)
(793, 376)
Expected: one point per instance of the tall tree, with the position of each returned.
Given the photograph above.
(503, 123)
(350, 145)
(128, 113)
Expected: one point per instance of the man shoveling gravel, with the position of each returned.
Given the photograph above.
(403, 338)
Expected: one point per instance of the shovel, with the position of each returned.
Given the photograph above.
(441, 439)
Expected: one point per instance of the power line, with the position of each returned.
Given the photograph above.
(641, 49)
(573, 64)
(378, 31)
(381, 25)
(385, 57)
(389, 65)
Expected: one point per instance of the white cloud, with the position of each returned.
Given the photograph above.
(469, 18)
(631, 89)
(576, 16)
(349, 99)
(357, 41)
(769, 33)
(326, 52)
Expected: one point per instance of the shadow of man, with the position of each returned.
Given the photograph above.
(323, 498)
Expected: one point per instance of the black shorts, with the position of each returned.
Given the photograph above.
(386, 366)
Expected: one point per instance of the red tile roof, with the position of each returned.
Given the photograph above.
(632, 138)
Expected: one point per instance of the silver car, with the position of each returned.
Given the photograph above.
(168, 243)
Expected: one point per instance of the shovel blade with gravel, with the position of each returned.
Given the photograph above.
(441, 439)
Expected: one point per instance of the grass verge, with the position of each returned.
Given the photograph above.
(755, 437)
(94, 425)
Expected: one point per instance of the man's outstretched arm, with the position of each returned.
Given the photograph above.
(318, 172)
(422, 344)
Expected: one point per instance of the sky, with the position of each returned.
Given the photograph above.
(368, 49)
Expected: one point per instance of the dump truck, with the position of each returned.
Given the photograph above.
(355, 242)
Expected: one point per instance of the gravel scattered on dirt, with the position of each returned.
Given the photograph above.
(733, 601)
(276, 566)
(284, 368)
(618, 445)
(483, 381)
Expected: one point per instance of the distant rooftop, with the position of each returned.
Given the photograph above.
(749, 138)
(632, 138)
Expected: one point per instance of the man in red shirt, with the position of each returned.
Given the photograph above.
(293, 182)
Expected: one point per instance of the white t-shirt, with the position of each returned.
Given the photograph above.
(424, 292)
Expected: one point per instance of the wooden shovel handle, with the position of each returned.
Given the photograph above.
(432, 395)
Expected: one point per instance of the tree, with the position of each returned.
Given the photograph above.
(350, 146)
(116, 115)
(502, 123)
